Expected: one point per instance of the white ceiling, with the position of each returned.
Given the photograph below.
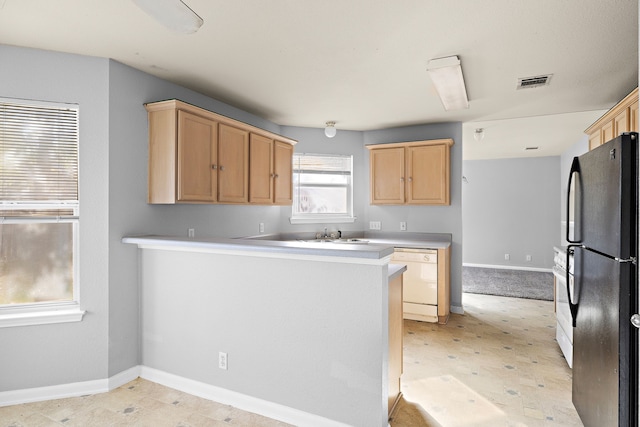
(362, 63)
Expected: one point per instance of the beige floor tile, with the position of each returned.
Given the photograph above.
(497, 365)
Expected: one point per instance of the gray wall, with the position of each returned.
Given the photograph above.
(113, 186)
(427, 219)
(35, 356)
(511, 206)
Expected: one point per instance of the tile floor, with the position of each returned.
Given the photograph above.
(497, 365)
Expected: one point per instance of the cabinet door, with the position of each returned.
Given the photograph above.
(595, 139)
(621, 122)
(633, 117)
(283, 173)
(428, 175)
(197, 141)
(260, 169)
(233, 168)
(387, 176)
(607, 132)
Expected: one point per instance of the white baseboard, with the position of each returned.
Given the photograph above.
(38, 394)
(16, 397)
(238, 400)
(457, 309)
(509, 267)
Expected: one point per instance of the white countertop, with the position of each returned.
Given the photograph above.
(371, 250)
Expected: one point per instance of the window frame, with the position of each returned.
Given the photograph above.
(47, 312)
(323, 218)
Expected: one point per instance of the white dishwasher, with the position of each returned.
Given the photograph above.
(420, 283)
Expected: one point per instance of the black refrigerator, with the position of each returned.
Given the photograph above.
(603, 188)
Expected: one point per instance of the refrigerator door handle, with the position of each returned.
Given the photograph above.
(635, 320)
(575, 169)
(573, 308)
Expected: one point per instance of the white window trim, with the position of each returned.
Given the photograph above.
(309, 219)
(31, 314)
(40, 314)
(327, 218)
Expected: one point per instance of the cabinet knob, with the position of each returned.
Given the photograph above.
(402, 179)
(410, 179)
(221, 168)
(275, 175)
(214, 167)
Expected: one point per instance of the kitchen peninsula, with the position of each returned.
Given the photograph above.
(304, 325)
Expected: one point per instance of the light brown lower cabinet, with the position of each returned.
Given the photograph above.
(396, 330)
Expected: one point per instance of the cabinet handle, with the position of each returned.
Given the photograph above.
(401, 179)
(221, 168)
(214, 167)
(275, 176)
(410, 179)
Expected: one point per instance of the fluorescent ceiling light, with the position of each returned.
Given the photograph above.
(173, 14)
(446, 75)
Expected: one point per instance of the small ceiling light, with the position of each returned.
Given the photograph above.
(173, 14)
(330, 130)
(446, 75)
(478, 134)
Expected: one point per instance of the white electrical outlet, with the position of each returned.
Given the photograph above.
(506, 257)
(374, 225)
(528, 257)
(261, 227)
(222, 360)
(192, 232)
(403, 226)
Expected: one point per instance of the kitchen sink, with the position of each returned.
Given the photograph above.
(349, 241)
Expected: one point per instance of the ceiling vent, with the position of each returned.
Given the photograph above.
(531, 148)
(531, 82)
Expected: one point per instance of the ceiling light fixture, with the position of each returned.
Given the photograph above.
(330, 130)
(478, 134)
(446, 75)
(173, 14)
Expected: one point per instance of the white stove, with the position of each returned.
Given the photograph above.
(564, 324)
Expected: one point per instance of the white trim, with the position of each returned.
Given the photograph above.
(509, 267)
(319, 220)
(120, 379)
(237, 400)
(457, 309)
(40, 317)
(15, 397)
(61, 391)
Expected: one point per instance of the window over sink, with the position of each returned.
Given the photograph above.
(322, 188)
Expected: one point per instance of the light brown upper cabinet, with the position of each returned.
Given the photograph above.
(415, 173)
(233, 165)
(196, 156)
(622, 117)
(270, 171)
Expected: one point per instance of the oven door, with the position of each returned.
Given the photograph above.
(564, 328)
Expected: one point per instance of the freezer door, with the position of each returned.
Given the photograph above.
(605, 197)
(604, 344)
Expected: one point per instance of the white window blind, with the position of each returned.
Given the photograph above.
(38, 159)
(322, 187)
(39, 206)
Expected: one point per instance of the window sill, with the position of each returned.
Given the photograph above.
(319, 220)
(43, 316)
